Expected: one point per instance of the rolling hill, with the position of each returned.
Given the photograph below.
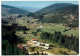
(6, 9)
(64, 13)
(54, 7)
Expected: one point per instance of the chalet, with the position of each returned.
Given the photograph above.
(46, 46)
(42, 44)
(25, 45)
(34, 40)
(37, 44)
(31, 42)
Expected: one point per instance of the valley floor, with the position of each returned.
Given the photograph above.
(56, 49)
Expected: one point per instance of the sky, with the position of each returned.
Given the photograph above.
(38, 4)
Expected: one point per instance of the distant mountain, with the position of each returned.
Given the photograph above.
(30, 9)
(53, 7)
(6, 9)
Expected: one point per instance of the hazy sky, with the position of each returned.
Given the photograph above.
(38, 4)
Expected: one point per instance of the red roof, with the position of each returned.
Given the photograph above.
(31, 42)
(34, 39)
(20, 46)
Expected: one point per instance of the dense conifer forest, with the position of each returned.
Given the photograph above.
(70, 42)
(10, 41)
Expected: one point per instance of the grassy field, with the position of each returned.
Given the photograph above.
(27, 21)
(72, 31)
(52, 29)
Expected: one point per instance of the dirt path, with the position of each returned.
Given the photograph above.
(48, 53)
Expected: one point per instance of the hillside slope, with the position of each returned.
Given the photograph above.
(6, 9)
(60, 13)
(53, 7)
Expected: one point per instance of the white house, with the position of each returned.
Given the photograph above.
(37, 44)
(46, 47)
(46, 44)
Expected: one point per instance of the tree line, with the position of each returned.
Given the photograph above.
(10, 41)
(70, 42)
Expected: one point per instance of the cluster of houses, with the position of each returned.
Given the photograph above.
(34, 42)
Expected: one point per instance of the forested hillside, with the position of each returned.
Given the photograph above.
(6, 9)
(53, 7)
(60, 13)
(10, 41)
(70, 42)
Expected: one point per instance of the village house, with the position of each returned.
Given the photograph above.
(33, 42)
(34, 39)
(37, 44)
(46, 46)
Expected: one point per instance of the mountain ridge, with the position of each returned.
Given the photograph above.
(6, 9)
(53, 7)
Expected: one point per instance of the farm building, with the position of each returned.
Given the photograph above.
(37, 44)
(34, 39)
(46, 46)
(31, 42)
